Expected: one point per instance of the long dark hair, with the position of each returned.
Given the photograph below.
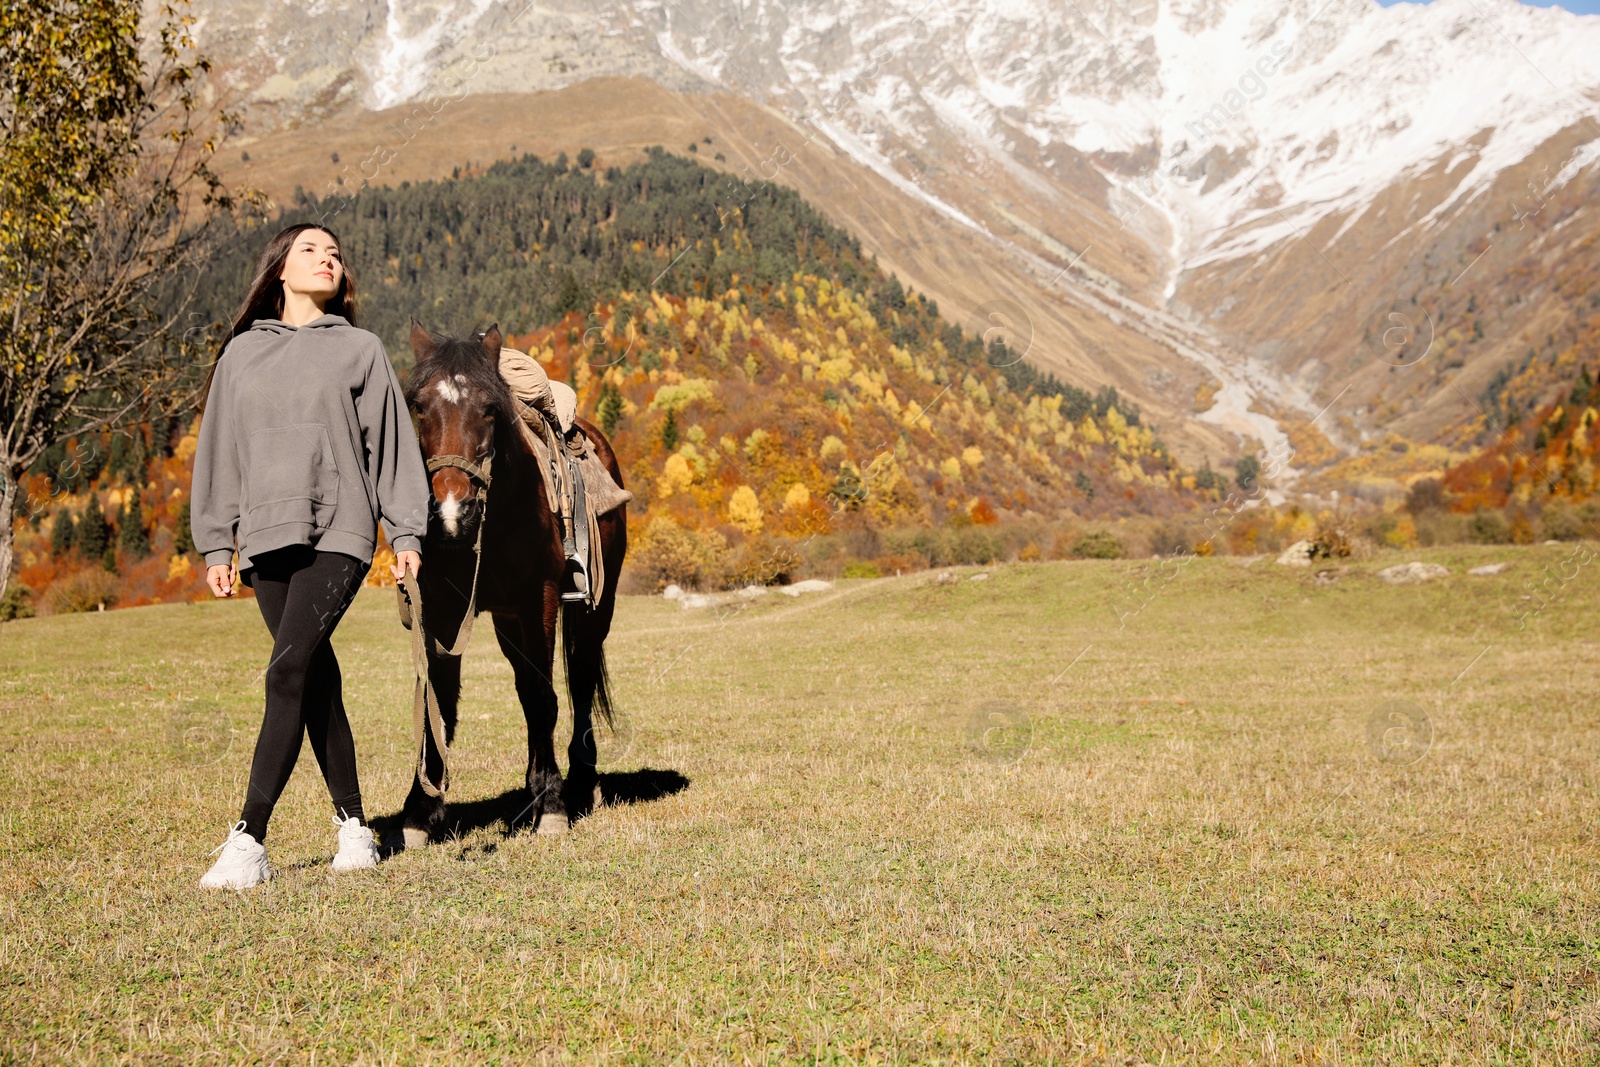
(264, 298)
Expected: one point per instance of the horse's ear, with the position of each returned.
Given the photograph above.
(492, 342)
(421, 340)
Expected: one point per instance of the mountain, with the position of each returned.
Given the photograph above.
(1218, 206)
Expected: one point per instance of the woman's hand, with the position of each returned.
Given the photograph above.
(221, 579)
(403, 560)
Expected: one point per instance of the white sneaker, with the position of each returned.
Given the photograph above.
(357, 849)
(243, 862)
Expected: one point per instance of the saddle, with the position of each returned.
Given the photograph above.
(580, 487)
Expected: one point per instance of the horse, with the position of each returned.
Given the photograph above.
(485, 479)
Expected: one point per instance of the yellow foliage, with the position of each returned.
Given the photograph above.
(675, 475)
(744, 510)
(972, 456)
(950, 468)
(1404, 534)
(797, 498)
(835, 370)
(865, 384)
(756, 443)
(676, 397)
(178, 567)
(833, 449)
(976, 391)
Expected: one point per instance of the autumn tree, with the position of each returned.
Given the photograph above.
(109, 209)
(132, 537)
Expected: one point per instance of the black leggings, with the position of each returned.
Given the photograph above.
(303, 593)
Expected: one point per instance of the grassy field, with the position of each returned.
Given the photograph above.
(1268, 819)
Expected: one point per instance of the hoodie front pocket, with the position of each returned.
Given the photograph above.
(292, 464)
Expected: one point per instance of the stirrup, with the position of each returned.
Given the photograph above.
(574, 582)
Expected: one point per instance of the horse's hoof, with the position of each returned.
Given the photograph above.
(550, 823)
(416, 838)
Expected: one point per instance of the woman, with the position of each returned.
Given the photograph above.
(304, 443)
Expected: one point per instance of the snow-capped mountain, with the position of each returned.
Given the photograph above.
(1136, 165)
(1242, 121)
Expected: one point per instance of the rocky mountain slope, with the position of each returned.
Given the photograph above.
(1239, 212)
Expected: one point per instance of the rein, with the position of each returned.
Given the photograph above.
(425, 713)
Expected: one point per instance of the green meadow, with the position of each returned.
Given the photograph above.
(1268, 817)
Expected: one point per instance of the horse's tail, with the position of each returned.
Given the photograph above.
(584, 652)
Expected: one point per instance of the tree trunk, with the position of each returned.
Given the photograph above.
(8, 513)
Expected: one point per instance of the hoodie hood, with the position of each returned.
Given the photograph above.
(322, 322)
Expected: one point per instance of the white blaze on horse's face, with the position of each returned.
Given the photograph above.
(450, 507)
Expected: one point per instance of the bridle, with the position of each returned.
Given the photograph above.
(478, 473)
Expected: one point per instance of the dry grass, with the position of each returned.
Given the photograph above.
(1181, 845)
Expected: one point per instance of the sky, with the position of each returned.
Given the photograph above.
(1577, 7)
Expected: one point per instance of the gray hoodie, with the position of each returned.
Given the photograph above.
(306, 440)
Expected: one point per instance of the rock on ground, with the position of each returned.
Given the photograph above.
(810, 585)
(1296, 555)
(1408, 573)
(1489, 568)
(673, 592)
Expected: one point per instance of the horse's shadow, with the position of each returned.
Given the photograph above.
(513, 811)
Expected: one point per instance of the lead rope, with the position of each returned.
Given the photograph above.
(464, 631)
(425, 714)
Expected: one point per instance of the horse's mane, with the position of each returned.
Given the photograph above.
(464, 356)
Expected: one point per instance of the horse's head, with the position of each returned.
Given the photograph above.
(458, 395)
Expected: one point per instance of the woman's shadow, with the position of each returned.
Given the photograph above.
(513, 811)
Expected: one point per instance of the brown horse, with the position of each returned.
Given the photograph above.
(491, 479)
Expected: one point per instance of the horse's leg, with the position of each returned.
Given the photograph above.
(423, 814)
(587, 683)
(584, 634)
(530, 646)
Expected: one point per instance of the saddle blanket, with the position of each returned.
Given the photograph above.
(543, 399)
